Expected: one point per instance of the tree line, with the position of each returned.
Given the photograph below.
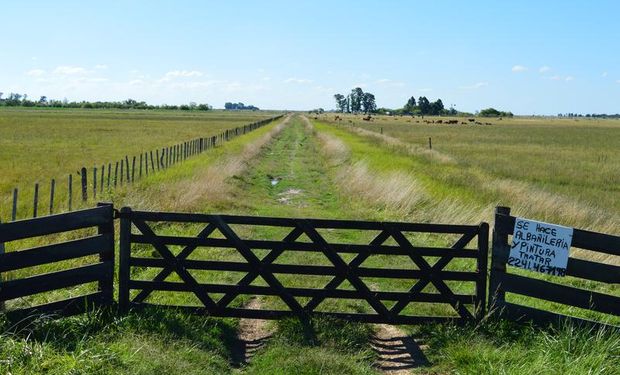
(239, 106)
(19, 100)
(357, 101)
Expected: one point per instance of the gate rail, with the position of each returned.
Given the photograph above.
(339, 269)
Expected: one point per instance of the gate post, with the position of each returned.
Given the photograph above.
(106, 286)
(482, 265)
(499, 257)
(124, 255)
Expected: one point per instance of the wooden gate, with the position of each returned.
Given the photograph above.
(149, 264)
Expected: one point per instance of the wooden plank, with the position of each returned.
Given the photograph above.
(296, 269)
(54, 280)
(543, 318)
(170, 286)
(53, 253)
(316, 223)
(482, 270)
(585, 269)
(66, 307)
(566, 295)
(55, 224)
(600, 242)
(309, 246)
(124, 255)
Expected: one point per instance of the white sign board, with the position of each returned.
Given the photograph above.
(540, 247)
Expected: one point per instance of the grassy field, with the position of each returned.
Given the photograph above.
(38, 145)
(329, 172)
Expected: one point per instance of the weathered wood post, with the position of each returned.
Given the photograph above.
(124, 255)
(2, 306)
(36, 200)
(84, 175)
(127, 168)
(94, 182)
(109, 173)
(102, 177)
(14, 210)
(499, 257)
(106, 285)
(133, 169)
(140, 173)
(116, 174)
(152, 163)
(52, 188)
(122, 171)
(430, 143)
(70, 191)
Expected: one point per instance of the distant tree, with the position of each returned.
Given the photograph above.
(492, 112)
(368, 103)
(228, 105)
(424, 105)
(341, 102)
(436, 107)
(357, 95)
(43, 100)
(410, 107)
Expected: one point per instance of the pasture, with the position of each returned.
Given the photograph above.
(347, 170)
(38, 145)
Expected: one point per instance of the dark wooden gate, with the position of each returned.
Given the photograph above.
(149, 264)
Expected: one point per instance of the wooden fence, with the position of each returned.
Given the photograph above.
(556, 290)
(91, 182)
(340, 271)
(100, 272)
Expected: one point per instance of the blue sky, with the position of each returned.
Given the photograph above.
(530, 57)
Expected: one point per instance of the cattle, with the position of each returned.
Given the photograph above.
(337, 118)
(439, 121)
(452, 121)
(367, 118)
(471, 119)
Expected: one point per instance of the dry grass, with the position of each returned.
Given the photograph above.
(207, 184)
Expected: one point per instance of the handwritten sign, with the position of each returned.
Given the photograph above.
(540, 247)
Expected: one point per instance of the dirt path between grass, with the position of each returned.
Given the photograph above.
(252, 335)
(398, 352)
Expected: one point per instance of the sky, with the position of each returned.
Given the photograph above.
(528, 57)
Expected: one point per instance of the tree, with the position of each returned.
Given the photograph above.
(341, 102)
(436, 107)
(368, 102)
(410, 106)
(43, 100)
(424, 105)
(356, 99)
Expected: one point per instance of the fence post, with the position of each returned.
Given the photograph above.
(482, 265)
(84, 176)
(140, 173)
(94, 182)
(430, 143)
(127, 168)
(36, 200)
(133, 169)
(70, 191)
(102, 177)
(124, 255)
(499, 257)
(106, 285)
(14, 210)
(109, 173)
(122, 171)
(52, 188)
(152, 163)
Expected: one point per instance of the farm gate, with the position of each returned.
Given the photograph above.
(220, 238)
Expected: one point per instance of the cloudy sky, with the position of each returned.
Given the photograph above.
(530, 57)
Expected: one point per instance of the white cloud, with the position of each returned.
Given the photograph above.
(474, 86)
(604, 74)
(297, 80)
(569, 78)
(101, 66)
(555, 78)
(184, 73)
(544, 69)
(425, 90)
(519, 68)
(389, 82)
(618, 81)
(68, 70)
(35, 72)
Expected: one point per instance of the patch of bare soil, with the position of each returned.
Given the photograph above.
(286, 196)
(251, 336)
(398, 353)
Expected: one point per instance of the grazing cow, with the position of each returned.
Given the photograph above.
(471, 119)
(452, 121)
(367, 118)
(463, 123)
(439, 121)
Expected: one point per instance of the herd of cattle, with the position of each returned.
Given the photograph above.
(426, 121)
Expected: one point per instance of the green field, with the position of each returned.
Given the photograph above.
(335, 171)
(38, 145)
